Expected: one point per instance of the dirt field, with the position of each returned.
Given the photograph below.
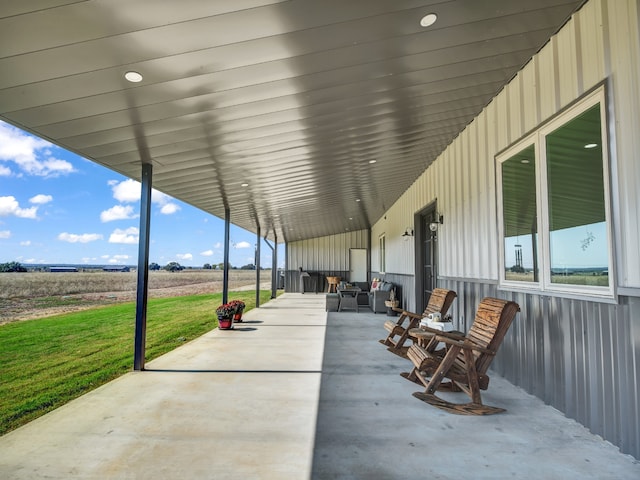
(32, 295)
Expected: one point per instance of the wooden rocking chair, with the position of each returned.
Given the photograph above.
(465, 361)
(439, 301)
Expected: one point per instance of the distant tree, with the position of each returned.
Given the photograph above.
(249, 266)
(220, 266)
(12, 267)
(207, 266)
(154, 266)
(517, 269)
(173, 267)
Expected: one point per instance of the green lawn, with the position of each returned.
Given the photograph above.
(45, 363)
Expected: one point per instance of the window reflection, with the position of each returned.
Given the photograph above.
(519, 216)
(577, 212)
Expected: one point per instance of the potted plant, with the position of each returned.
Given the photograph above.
(239, 306)
(392, 303)
(225, 313)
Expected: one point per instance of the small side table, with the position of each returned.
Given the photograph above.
(442, 326)
(349, 298)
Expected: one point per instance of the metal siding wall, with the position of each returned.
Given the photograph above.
(462, 179)
(325, 253)
(579, 357)
(623, 38)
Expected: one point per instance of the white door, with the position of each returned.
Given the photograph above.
(358, 265)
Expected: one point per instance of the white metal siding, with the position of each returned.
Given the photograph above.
(600, 42)
(325, 253)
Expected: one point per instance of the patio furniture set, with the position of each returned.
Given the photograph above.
(438, 355)
(352, 296)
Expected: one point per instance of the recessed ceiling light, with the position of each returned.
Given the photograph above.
(357, 199)
(524, 160)
(133, 77)
(428, 20)
(244, 184)
(372, 161)
(591, 145)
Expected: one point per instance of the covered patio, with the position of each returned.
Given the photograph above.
(296, 393)
(345, 127)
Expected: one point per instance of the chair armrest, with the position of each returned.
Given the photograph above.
(406, 313)
(426, 332)
(464, 343)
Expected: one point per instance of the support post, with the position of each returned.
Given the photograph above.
(258, 267)
(274, 266)
(142, 287)
(274, 263)
(225, 274)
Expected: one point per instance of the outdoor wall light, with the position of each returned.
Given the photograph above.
(433, 226)
(408, 233)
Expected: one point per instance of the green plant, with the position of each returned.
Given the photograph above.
(225, 310)
(238, 305)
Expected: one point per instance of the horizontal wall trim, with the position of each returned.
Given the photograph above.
(559, 294)
(471, 280)
(629, 291)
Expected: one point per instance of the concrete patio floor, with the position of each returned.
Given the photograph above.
(294, 393)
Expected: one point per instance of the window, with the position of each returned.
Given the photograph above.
(382, 260)
(554, 207)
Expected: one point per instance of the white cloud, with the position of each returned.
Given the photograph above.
(121, 257)
(10, 206)
(159, 197)
(207, 253)
(184, 256)
(129, 236)
(84, 238)
(104, 257)
(218, 245)
(126, 191)
(30, 154)
(25, 243)
(52, 167)
(242, 245)
(41, 199)
(169, 208)
(5, 171)
(117, 212)
(5, 233)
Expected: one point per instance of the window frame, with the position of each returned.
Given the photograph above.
(382, 255)
(538, 139)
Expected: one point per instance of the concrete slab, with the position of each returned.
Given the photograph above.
(284, 397)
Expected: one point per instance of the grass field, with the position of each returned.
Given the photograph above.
(45, 284)
(49, 361)
(45, 362)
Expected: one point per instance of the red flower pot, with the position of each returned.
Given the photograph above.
(225, 323)
(238, 316)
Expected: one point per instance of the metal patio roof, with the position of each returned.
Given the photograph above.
(294, 98)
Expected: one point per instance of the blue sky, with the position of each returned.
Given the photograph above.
(59, 208)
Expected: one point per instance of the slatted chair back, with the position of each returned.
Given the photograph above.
(439, 301)
(492, 321)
